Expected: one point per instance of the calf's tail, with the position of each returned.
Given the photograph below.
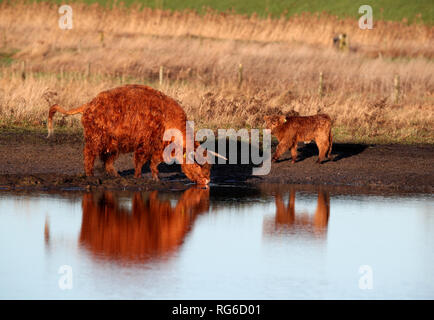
(56, 108)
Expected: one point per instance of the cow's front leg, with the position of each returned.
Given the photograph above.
(155, 161)
(109, 159)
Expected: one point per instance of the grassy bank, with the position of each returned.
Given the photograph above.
(392, 10)
(40, 65)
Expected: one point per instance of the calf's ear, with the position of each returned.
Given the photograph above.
(282, 119)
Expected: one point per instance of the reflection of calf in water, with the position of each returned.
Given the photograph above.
(286, 218)
(152, 227)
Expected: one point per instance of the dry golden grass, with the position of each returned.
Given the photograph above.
(281, 61)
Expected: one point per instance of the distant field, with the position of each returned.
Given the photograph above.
(379, 90)
(395, 10)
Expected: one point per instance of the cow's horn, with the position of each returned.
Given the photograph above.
(217, 155)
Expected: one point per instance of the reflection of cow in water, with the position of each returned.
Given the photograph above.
(286, 218)
(152, 227)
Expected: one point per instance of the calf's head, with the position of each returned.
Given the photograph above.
(272, 122)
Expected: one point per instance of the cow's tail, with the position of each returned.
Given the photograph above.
(57, 108)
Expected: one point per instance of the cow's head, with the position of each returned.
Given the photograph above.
(197, 168)
(197, 165)
(199, 173)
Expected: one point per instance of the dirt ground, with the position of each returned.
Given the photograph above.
(30, 161)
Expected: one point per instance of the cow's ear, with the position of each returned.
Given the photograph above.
(190, 157)
(282, 119)
(184, 158)
(180, 154)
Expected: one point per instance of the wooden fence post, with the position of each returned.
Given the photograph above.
(62, 73)
(121, 77)
(88, 70)
(321, 85)
(161, 75)
(101, 38)
(396, 88)
(23, 70)
(240, 75)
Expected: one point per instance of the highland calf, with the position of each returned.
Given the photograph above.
(133, 118)
(291, 130)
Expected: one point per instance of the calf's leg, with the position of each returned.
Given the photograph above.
(281, 148)
(323, 147)
(294, 152)
(329, 152)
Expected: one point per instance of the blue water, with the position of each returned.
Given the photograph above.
(220, 243)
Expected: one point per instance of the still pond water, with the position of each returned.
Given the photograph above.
(222, 243)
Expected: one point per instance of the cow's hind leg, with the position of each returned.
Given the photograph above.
(108, 159)
(140, 158)
(89, 159)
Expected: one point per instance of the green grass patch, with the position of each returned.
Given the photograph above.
(6, 56)
(343, 134)
(24, 132)
(395, 10)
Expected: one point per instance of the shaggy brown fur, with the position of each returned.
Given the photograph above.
(291, 130)
(131, 118)
(151, 228)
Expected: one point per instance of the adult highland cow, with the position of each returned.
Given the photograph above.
(150, 228)
(132, 118)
